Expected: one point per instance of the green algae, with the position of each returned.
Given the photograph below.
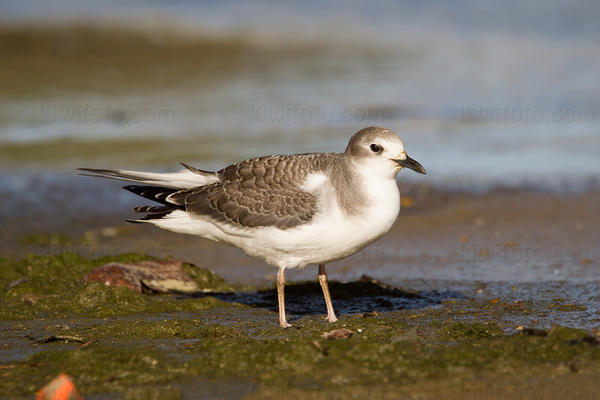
(367, 361)
(475, 330)
(119, 329)
(300, 360)
(219, 331)
(564, 333)
(154, 346)
(93, 366)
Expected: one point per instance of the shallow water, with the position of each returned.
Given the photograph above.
(481, 96)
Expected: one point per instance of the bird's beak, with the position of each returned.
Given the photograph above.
(411, 164)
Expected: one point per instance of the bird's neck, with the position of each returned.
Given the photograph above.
(347, 184)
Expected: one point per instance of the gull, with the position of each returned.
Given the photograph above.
(289, 210)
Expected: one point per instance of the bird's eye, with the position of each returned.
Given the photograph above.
(375, 148)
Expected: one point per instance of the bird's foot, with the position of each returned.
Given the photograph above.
(284, 324)
(331, 318)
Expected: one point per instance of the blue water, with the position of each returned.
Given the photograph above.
(481, 92)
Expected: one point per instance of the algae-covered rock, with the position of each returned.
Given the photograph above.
(159, 276)
(206, 280)
(54, 286)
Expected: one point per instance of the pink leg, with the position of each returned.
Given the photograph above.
(323, 281)
(281, 299)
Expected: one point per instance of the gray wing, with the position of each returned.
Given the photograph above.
(258, 192)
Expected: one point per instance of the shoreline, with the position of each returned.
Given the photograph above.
(519, 234)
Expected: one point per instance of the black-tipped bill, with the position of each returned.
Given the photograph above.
(410, 164)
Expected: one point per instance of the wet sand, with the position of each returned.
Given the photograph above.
(505, 234)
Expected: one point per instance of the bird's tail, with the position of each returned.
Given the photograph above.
(186, 179)
(157, 187)
(158, 194)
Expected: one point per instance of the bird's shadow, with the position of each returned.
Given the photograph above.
(361, 296)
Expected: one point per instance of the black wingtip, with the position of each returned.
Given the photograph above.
(96, 170)
(152, 209)
(150, 217)
(137, 189)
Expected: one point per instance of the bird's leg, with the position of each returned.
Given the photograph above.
(323, 281)
(280, 297)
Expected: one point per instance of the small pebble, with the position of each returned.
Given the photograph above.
(338, 334)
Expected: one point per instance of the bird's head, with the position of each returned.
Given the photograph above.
(380, 150)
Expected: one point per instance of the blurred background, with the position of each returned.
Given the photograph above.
(486, 95)
(482, 92)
